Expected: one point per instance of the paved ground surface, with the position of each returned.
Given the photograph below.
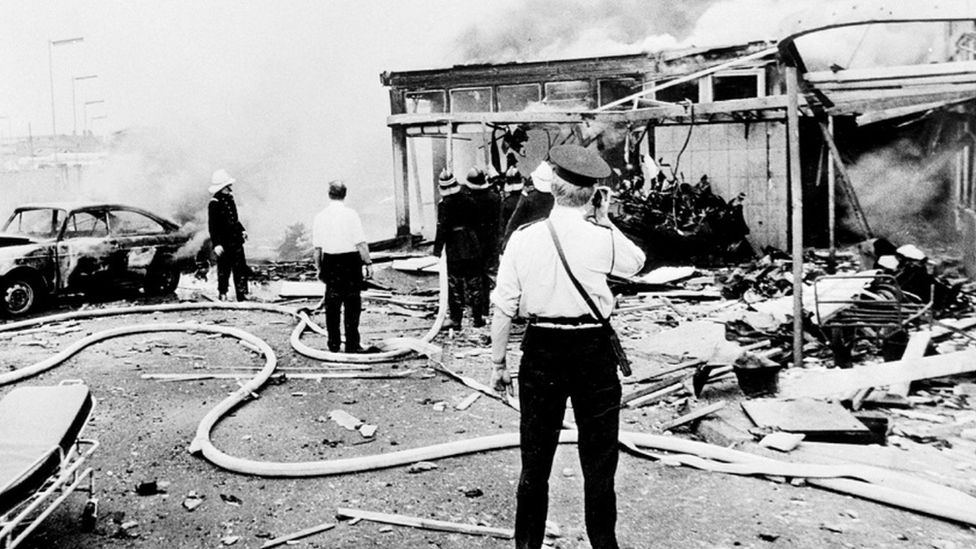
(145, 426)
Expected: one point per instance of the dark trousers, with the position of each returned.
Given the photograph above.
(466, 285)
(232, 260)
(576, 364)
(343, 277)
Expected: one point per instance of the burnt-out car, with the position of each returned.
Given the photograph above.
(54, 249)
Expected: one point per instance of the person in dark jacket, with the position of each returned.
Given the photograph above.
(227, 236)
(511, 193)
(487, 208)
(535, 202)
(458, 238)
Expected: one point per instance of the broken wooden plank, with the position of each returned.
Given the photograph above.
(653, 397)
(426, 524)
(826, 383)
(857, 401)
(653, 388)
(467, 402)
(281, 540)
(946, 328)
(692, 416)
(918, 343)
(818, 420)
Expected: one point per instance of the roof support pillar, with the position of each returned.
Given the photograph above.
(401, 182)
(796, 203)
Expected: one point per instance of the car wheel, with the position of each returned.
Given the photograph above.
(19, 295)
(162, 280)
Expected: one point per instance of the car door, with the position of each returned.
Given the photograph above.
(86, 257)
(141, 241)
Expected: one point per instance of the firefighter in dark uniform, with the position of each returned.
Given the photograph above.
(487, 204)
(458, 237)
(535, 203)
(511, 193)
(565, 351)
(227, 236)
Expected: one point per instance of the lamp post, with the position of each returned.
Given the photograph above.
(50, 69)
(85, 110)
(74, 101)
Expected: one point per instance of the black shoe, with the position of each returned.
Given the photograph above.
(478, 322)
(242, 297)
(356, 349)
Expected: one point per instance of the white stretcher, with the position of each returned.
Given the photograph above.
(43, 457)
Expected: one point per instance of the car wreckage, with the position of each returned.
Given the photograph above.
(54, 249)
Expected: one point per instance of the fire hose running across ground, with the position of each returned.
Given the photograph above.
(868, 482)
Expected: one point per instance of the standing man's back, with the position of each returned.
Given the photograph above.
(567, 352)
(341, 257)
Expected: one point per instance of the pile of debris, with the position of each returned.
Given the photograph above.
(676, 220)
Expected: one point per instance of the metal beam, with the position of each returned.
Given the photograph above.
(866, 12)
(846, 177)
(400, 182)
(677, 113)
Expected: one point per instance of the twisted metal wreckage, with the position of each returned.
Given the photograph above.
(868, 482)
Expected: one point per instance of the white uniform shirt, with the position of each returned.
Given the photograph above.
(337, 229)
(533, 282)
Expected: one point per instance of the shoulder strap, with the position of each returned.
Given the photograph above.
(572, 278)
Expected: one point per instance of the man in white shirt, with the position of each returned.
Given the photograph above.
(566, 352)
(342, 260)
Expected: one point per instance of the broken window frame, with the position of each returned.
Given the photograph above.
(491, 98)
(504, 87)
(586, 101)
(601, 101)
(759, 74)
(116, 216)
(410, 100)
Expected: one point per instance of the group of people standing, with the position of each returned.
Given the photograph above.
(341, 257)
(475, 219)
(552, 245)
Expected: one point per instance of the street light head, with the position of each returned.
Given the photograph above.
(86, 77)
(94, 102)
(66, 41)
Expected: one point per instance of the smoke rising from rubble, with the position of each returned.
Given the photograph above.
(901, 201)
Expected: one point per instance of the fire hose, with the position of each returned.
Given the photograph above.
(868, 482)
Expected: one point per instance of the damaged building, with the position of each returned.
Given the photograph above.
(715, 116)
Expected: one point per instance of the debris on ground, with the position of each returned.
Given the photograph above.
(192, 501)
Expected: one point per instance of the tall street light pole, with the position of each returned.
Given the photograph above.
(74, 101)
(85, 110)
(50, 69)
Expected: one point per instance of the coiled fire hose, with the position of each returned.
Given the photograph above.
(868, 482)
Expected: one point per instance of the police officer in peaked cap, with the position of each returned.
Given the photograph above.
(566, 353)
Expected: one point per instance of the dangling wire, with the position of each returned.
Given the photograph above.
(691, 112)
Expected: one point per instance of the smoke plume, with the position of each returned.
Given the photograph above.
(903, 199)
